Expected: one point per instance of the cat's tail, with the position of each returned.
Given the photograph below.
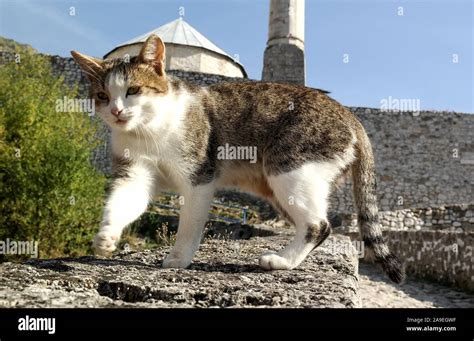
(364, 186)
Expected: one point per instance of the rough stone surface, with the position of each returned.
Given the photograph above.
(376, 291)
(224, 274)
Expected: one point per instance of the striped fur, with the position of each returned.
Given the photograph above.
(364, 186)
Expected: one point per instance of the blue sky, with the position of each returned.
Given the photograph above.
(405, 57)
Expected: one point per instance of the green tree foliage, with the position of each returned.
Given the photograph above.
(49, 191)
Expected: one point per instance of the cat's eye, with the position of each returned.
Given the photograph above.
(133, 90)
(102, 96)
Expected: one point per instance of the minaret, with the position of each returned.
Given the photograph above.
(284, 55)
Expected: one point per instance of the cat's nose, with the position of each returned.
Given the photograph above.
(116, 112)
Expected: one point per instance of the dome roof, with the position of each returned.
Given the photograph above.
(181, 33)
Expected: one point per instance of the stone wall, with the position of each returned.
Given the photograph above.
(421, 160)
(71, 72)
(442, 256)
(457, 218)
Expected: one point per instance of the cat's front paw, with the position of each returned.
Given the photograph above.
(105, 242)
(172, 261)
(272, 261)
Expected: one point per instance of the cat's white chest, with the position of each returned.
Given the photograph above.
(134, 147)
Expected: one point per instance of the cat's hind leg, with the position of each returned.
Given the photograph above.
(302, 194)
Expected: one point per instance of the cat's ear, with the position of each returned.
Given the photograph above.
(91, 66)
(153, 53)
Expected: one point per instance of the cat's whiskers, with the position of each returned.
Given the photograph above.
(138, 136)
(152, 136)
(145, 139)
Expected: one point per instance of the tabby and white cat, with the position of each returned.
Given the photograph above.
(166, 134)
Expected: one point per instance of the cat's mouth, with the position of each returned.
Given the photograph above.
(121, 122)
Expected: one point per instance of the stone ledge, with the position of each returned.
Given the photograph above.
(224, 274)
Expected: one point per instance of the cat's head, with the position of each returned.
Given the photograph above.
(128, 93)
